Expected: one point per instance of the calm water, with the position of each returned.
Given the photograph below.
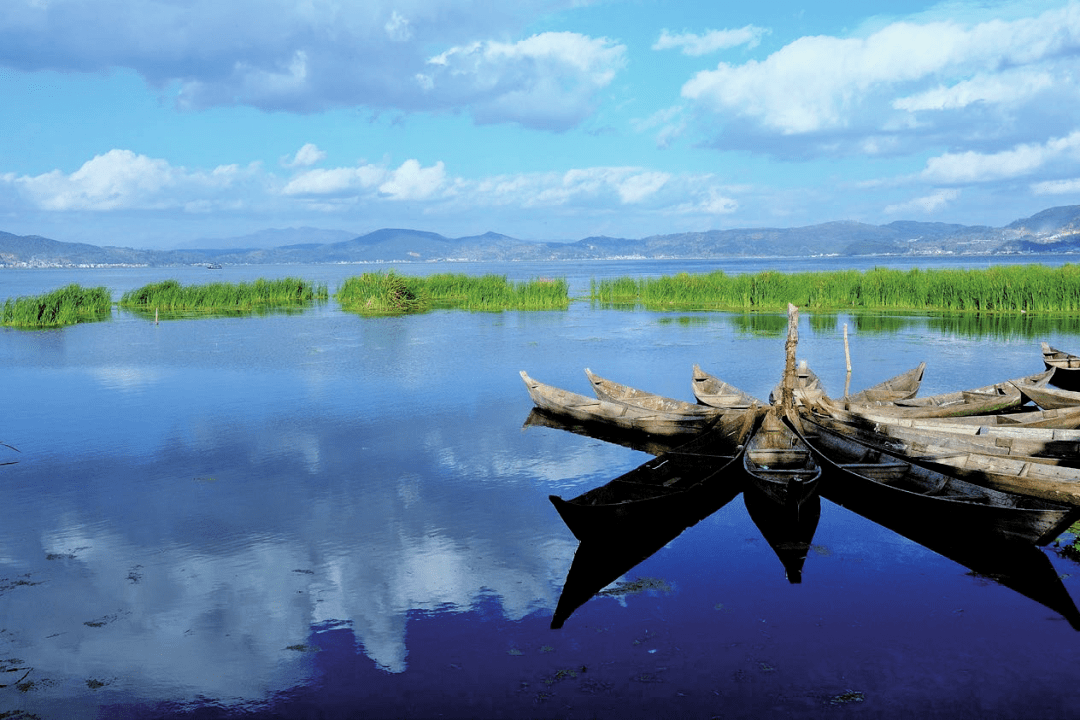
(322, 515)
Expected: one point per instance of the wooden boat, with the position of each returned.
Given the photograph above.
(1064, 418)
(693, 472)
(1059, 359)
(779, 463)
(581, 407)
(901, 387)
(619, 393)
(807, 383)
(711, 390)
(1049, 398)
(916, 437)
(1017, 475)
(994, 398)
(877, 477)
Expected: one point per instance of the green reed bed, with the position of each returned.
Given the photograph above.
(67, 306)
(382, 293)
(171, 296)
(1006, 288)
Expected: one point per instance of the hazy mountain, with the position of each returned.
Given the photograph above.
(1052, 230)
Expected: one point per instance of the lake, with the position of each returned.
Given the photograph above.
(319, 515)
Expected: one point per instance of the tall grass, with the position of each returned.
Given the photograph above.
(383, 293)
(170, 295)
(377, 293)
(67, 306)
(1009, 288)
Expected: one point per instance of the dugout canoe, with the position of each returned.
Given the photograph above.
(938, 498)
(779, 464)
(591, 409)
(1049, 398)
(711, 390)
(619, 393)
(901, 387)
(994, 398)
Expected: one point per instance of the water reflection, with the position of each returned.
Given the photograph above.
(789, 531)
(762, 324)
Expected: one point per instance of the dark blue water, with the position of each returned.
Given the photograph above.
(323, 515)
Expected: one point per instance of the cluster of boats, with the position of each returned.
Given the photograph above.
(1000, 461)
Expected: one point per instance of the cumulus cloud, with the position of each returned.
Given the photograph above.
(284, 55)
(306, 156)
(549, 80)
(971, 166)
(123, 180)
(917, 81)
(710, 41)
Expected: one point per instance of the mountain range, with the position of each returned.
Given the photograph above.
(1050, 231)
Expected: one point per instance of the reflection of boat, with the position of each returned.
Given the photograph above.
(711, 390)
(993, 398)
(619, 393)
(590, 409)
(1019, 566)
(642, 442)
(779, 463)
(873, 476)
(601, 560)
(901, 387)
(645, 495)
(788, 529)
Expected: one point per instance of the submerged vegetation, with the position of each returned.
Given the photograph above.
(67, 306)
(170, 295)
(388, 293)
(1006, 288)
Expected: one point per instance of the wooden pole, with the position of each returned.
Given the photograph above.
(847, 358)
(787, 386)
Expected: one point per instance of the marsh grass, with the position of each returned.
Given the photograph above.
(999, 289)
(67, 306)
(389, 293)
(172, 297)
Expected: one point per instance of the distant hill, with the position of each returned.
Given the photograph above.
(1052, 230)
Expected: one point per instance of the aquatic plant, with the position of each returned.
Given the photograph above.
(1004, 288)
(377, 293)
(170, 295)
(382, 293)
(67, 306)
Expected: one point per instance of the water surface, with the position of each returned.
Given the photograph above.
(323, 515)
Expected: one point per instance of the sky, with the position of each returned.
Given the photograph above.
(153, 123)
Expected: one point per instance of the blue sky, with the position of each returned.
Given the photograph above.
(150, 123)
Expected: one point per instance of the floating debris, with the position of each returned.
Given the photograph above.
(851, 696)
(514, 651)
(302, 647)
(636, 586)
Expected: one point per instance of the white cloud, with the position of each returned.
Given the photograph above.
(833, 84)
(970, 166)
(313, 55)
(711, 41)
(336, 181)
(549, 80)
(123, 180)
(306, 156)
(413, 182)
(1056, 187)
(925, 205)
